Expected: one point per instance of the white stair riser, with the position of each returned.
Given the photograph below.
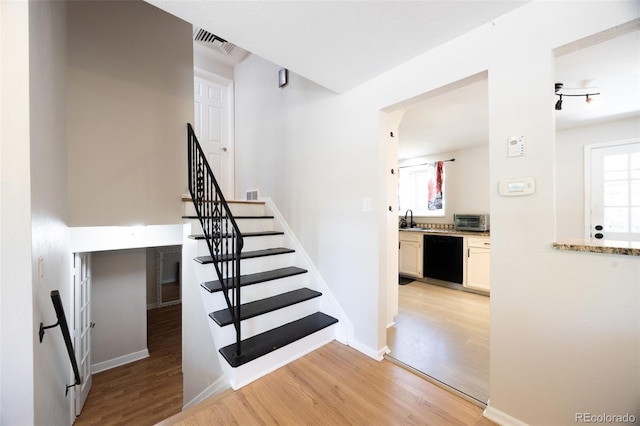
(250, 293)
(266, 263)
(248, 266)
(237, 209)
(223, 336)
(255, 225)
(252, 326)
(245, 225)
(250, 244)
(253, 370)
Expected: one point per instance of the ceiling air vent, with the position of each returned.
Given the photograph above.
(212, 40)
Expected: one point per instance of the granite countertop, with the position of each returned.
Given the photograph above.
(445, 231)
(599, 246)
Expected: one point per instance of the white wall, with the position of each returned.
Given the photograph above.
(33, 376)
(152, 284)
(204, 58)
(16, 291)
(564, 332)
(50, 237)
(118, 305)
(130, 97)
(466, 182)
(310, 150)
(570, 183)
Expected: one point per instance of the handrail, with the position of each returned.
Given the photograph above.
(220, 229)
(62, 322)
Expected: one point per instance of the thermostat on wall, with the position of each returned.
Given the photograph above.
(516, 146)
(515, 187)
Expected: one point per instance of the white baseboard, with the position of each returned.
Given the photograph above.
(216, 387)
(117, 362)
(378, 355)
(502, 418)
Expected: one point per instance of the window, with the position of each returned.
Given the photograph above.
(421, 189)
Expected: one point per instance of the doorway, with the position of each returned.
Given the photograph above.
(213, 125)
(441, 329)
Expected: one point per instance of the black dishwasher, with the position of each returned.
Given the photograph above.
(443, 258)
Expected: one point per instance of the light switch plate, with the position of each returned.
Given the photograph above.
(516, 146)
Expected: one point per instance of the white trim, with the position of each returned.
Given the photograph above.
(101, 238)
(587, 177)
(208, 75)
(215, 78)
(213, 389)
(378, 355)
(118, 361)
(501, 417)
(344, 327)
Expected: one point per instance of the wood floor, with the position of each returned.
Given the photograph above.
(335, 385)
(444, 333)
(146, 391)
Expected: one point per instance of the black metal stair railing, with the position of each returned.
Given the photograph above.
(219, 227)
(62, 322)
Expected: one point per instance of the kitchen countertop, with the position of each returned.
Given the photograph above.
(445, 231)
(580, 245)
(599, 246)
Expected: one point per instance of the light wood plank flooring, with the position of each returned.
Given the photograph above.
(444, 333)
(146, 391)
(335, 385)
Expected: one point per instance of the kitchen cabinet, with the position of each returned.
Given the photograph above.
(410, 258)
(478, 263)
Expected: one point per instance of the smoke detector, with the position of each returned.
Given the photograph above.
(208, 39)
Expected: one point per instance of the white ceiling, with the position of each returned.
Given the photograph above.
(610, 62)
(342, 44)
(338, 44)
(456, 118)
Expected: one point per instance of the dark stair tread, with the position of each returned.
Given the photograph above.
(246, 255)
(235, 217)
(269, 341)
(244, 234)
(274, 274)
(266, 305)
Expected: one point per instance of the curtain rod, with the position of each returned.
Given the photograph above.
(424, 164)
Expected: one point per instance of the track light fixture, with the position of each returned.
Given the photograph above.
(588, 95)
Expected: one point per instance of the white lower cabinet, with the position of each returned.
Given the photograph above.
(410, 258)
(478, 263)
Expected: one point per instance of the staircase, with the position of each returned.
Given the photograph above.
(275, 314)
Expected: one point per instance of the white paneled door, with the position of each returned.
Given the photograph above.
(615, 192)
(82, 325)
(213, 118)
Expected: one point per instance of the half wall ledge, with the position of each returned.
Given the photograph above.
(627, 248)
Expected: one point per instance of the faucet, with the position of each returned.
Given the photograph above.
(411, 223)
